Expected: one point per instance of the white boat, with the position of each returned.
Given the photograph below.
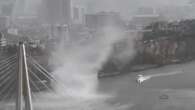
(141, 78)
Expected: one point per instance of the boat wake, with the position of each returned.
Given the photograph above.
(142, 78)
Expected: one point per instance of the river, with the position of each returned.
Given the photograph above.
(168, 88)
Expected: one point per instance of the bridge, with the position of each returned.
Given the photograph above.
(21, 76)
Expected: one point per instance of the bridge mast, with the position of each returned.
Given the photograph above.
(23, 82)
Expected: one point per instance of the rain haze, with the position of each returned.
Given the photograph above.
(97, 54)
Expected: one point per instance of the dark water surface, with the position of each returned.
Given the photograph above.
(162, 92)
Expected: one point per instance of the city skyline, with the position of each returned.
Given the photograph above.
(127, 8)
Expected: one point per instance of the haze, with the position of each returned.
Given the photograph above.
(125, 7)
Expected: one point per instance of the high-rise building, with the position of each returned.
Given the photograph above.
(56, 11)
(103, 19)
(78, 13)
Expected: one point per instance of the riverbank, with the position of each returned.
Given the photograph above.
(140, 68)
(134, 69)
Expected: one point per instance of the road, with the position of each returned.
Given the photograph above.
(169, 88)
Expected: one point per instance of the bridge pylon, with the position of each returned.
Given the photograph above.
(24, 97)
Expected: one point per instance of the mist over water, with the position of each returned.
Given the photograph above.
(77, 65)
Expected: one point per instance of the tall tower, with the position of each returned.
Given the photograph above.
(56, 11)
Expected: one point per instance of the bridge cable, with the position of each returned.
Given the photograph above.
(42, 69)
(9, 84)
(3, 72)
(34, 74)
(10, 93)
(6, 78)
(7, 65)
(8, 68)
(7, 61)
(34, 85)
(4, 60)
(46, 74)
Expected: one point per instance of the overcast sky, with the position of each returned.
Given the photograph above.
(125, 7)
